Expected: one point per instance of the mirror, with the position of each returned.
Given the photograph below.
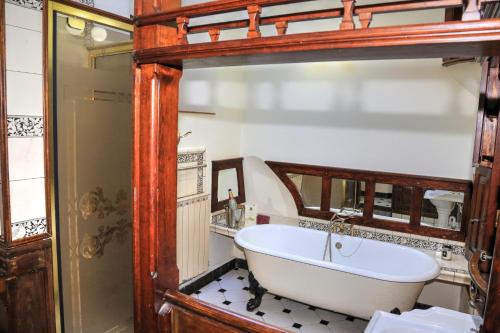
(392, 202)
(347, 194)
(442, 209)
(227, 175)
(228, 180)
(309, 188)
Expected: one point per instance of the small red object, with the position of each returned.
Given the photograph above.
(263, 219)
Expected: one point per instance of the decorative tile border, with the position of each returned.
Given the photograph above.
(219, 218)
(191, 201)
(23, 126)
(29, 228)
(194, 156)
(426, 243)
(38, 4)
(31, 4)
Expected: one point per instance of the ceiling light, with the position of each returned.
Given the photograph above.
(99, 34)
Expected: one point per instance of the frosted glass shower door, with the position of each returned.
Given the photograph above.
(94, 147)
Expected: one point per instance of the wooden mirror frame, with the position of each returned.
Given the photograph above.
(419, 185)
(217, 166)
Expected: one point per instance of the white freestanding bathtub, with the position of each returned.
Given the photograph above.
(364, 276)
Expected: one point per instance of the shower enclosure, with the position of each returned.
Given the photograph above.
(91, 130)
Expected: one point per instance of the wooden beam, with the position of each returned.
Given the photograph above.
(409, 41)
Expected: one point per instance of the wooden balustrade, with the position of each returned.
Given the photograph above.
(414, 185)
(255, 21)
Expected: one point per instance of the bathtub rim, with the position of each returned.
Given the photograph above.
(423, 277)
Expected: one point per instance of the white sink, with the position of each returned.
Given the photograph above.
(444, 201)
(433, 320)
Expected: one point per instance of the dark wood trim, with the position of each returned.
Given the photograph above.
(225, 6)
(449, 39)
(26, 271)
(155, 189)
(220, 320)
(418, 184)
(6, 237)
(361, 11)
(217, 166)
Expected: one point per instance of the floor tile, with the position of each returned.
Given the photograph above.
(329, 315)
(315, 328)
(305, 316)
(344, 327)
(279, 319)
(229, 293)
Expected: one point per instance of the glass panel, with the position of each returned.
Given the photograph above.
(309, 188)
(347, 195)
(93, 145)
(442, 209)
(392, 202)
(228, 181)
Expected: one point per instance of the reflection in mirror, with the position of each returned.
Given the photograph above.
(309, 188)
(442, 209)
(228, 180)
(347, 195)
(392, 202)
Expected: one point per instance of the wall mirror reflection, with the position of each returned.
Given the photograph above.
(309, 188)
(442, 209)
(228, 182)
(347, 195)
(227, 176)
(392, 202)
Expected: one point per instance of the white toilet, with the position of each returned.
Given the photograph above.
(433, 320)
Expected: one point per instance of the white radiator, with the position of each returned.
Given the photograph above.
(193, 218)
(193, 214)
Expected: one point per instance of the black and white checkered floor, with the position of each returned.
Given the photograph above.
(231, 292)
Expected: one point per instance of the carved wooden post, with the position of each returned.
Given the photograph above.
(154, 185)
(347, 21)
(254, 12)
(471, 11)
(214, 34)
(365, 19)
(182, 29)
(281, 27)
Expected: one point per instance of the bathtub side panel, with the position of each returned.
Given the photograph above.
(329, 289)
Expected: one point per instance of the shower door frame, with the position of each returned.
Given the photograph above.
(51, 9)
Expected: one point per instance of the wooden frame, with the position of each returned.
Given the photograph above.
(161, 40)
(217, 166)
(418, 184)
(6, 236)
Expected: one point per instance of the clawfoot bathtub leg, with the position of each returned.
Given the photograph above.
(257, 290)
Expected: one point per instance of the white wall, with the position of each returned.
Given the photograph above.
(119, 7)
(407, 116)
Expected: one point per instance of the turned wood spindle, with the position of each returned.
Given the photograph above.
(281, 27)
(471, 12)
(254, 12)
(347, 21)
(182, 29)
(214, 34)
(365, 19)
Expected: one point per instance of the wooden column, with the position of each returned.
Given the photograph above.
(157, 35)
(281, 27)
(254, 21)
(347, 21)
(182, 29)
(155, 190)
